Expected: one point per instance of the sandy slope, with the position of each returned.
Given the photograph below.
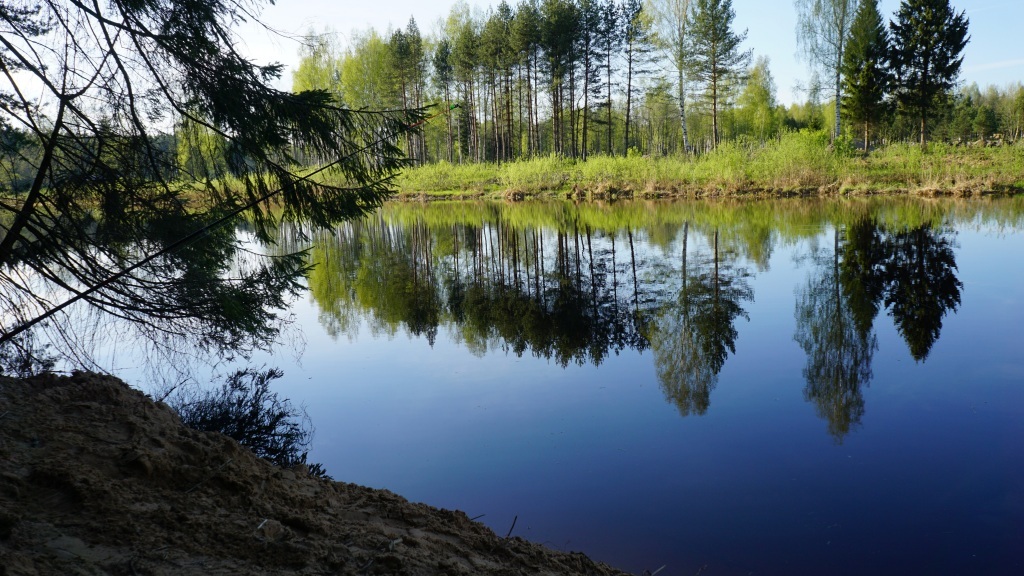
(95, 478)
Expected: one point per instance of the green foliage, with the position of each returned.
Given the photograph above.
(714, 48)
(119, 225)
(245, 409)
(318, 65)
(866, 78)
(757, 112)
(201, 152)
(366, 72)
(928, 39)
(796, 161)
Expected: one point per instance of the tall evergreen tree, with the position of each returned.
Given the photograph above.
(865, 68)
(109, 226)
(558, 31)
(526, 39)
(465, 39)
(498, 59)
(443, 76)
(610, 40)
(928, 39)
(589, 38)
(638, 43)
(715, 50)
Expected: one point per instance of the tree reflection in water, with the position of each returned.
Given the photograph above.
(911, 271)
(692, 336)
(573, 291)
(839, 348)
(550, 293)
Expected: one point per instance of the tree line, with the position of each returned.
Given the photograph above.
(582, 77)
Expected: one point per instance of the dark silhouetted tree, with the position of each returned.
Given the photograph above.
(102, 223)
(928, 39)
(865, 69)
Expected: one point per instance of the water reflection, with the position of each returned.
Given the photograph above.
(921, 284)
(693, 334)
(145, 298)
(911, 271)
(562, 295)
(574, 284)
(834, 316)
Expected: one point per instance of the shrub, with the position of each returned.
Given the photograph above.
(245, 409)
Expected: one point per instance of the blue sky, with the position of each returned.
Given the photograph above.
(990, 57)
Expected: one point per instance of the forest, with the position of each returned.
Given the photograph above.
(576, 78)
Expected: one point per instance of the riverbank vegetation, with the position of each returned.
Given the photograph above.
(796, 163)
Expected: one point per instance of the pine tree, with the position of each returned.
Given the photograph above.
(526, 38)
(638, 42)
(927, 51)
(865, 68)
(714, 50)
(110, 228)
(559, 26)
(609, 40)
(589, 52)
(443, 76)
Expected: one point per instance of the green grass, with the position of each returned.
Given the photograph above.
(802, 162)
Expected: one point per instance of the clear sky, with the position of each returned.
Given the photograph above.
(993, 56)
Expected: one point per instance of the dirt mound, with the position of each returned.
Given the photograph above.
(96, 478)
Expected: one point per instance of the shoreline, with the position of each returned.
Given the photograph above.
(96, 477)
(581, 195)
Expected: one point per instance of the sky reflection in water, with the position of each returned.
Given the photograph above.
(836, 390)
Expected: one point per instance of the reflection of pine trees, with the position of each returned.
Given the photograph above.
(920, 273)
(575, 295)
(911, 271)
(692, 337)
(861, 271)
(555, 294)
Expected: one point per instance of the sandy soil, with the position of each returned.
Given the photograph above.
(97, 479)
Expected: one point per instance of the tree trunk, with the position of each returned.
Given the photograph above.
(714, 112)
(839, 99)
(611, 150)
(586, 104)
(629, 97)
(682, 113)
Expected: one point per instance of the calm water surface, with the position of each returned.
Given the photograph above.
(774, 388)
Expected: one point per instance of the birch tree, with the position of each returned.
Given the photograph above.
(822, 31)
(671, 18)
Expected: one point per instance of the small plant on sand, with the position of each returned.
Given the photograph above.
(245, 409)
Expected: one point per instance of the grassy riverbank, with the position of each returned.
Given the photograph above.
(799, 163)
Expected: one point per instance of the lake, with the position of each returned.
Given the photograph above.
(770, 387)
